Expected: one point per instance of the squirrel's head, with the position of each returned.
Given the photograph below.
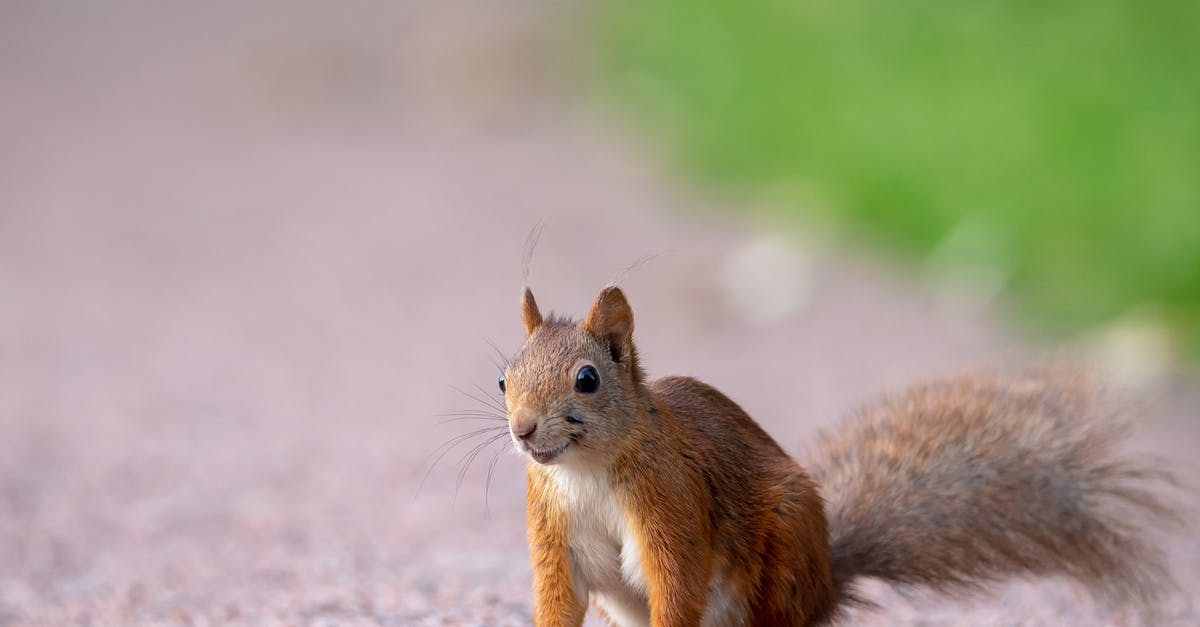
(574, 388)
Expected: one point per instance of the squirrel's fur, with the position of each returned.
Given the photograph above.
(664, 503)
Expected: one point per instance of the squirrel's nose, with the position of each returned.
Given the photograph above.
(527, 433)
(524, 423)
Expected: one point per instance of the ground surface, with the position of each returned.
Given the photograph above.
(245, 252)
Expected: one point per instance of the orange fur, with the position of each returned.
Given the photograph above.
(558, 603)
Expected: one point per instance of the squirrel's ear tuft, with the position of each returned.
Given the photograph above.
(611, 321)
(529, 311)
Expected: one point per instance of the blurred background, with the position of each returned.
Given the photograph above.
(249, 253)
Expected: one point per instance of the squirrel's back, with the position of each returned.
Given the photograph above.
(767, 521)
(961, 482)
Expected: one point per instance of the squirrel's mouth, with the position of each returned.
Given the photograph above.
(545, 456)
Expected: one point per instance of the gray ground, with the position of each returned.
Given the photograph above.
(245, 251)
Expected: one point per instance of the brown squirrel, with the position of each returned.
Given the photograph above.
(666, 504)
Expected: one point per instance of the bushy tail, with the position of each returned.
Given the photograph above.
(962, 482)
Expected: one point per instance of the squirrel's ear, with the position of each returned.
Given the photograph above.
(611, 321)
(529, 311)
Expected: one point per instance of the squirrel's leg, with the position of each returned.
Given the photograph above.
(557, 600)
(677, 563)
(796, 586)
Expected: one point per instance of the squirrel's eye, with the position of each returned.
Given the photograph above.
(501, 382)
(587, 380)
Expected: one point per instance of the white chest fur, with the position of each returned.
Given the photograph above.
(605, 560)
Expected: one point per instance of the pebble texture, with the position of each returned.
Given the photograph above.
(247, 249)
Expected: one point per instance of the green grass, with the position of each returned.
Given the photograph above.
(1059, 141)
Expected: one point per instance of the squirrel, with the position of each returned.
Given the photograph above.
(665, 504)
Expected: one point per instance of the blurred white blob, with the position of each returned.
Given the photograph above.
(1137, 347)
(970, 264)
(766, 279)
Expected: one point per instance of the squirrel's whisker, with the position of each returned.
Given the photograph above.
(487, 488)
(469, 459)
(497, 399)
(461, 418)
(490, 404)
(450, 445)
(472, 412)
(470, 415)
(499, 353)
